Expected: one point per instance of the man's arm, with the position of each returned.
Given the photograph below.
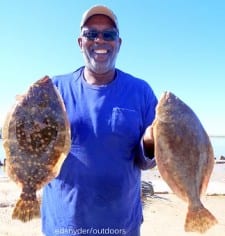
(145, 152)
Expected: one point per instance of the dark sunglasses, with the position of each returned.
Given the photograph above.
(107, 35)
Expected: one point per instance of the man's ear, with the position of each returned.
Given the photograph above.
(79, 40)
(119, 44)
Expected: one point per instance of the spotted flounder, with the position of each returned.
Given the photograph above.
(36, 139)
(184, 157)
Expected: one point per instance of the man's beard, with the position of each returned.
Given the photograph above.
(100, 67)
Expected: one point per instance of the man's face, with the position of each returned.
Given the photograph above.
(99, 53)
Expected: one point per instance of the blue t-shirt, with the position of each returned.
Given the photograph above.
(98, 189)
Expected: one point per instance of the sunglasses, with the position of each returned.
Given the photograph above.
(107, 35)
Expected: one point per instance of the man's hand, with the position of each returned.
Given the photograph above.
(148, 138)
(148, 142)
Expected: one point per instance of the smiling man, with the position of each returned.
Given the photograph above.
(100, 44)
(98, 189)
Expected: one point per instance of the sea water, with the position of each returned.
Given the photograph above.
(218, 143)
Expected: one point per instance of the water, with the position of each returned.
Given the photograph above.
(2, 152)
(218, 143)
(2, 156)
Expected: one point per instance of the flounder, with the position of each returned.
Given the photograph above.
(184, 157)
(36, 139)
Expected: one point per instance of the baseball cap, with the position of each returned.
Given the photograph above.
(99, 10)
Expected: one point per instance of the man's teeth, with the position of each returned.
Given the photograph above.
(101, 51)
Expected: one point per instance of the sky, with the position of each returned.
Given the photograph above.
(175, 45)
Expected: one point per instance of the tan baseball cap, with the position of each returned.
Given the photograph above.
(98, 10)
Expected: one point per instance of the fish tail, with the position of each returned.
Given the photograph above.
(199, 220)
(26, 210)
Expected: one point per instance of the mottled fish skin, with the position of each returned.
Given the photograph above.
(36, 139)
(184, 157)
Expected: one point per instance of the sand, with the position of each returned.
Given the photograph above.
(164, 212)
(9, 194)
(165, 215)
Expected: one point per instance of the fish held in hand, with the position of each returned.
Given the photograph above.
(184, 157)
(36, 139)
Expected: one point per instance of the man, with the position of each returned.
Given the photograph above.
(98, 189)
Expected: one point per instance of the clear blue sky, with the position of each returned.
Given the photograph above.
(176, 45)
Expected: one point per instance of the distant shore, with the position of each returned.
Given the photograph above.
(217, 136)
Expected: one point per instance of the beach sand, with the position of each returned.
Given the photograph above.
(164, 212)
(165, 216)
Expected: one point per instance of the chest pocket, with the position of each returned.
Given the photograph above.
(125, 122)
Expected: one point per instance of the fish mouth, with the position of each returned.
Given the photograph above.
(167, 96)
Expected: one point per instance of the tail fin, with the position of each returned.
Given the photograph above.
(199, 220)
(26, 210)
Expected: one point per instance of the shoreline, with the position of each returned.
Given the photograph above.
(218, 161)
(216, 185)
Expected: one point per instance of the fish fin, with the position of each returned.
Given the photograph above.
(26, 210)
(199, 220)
